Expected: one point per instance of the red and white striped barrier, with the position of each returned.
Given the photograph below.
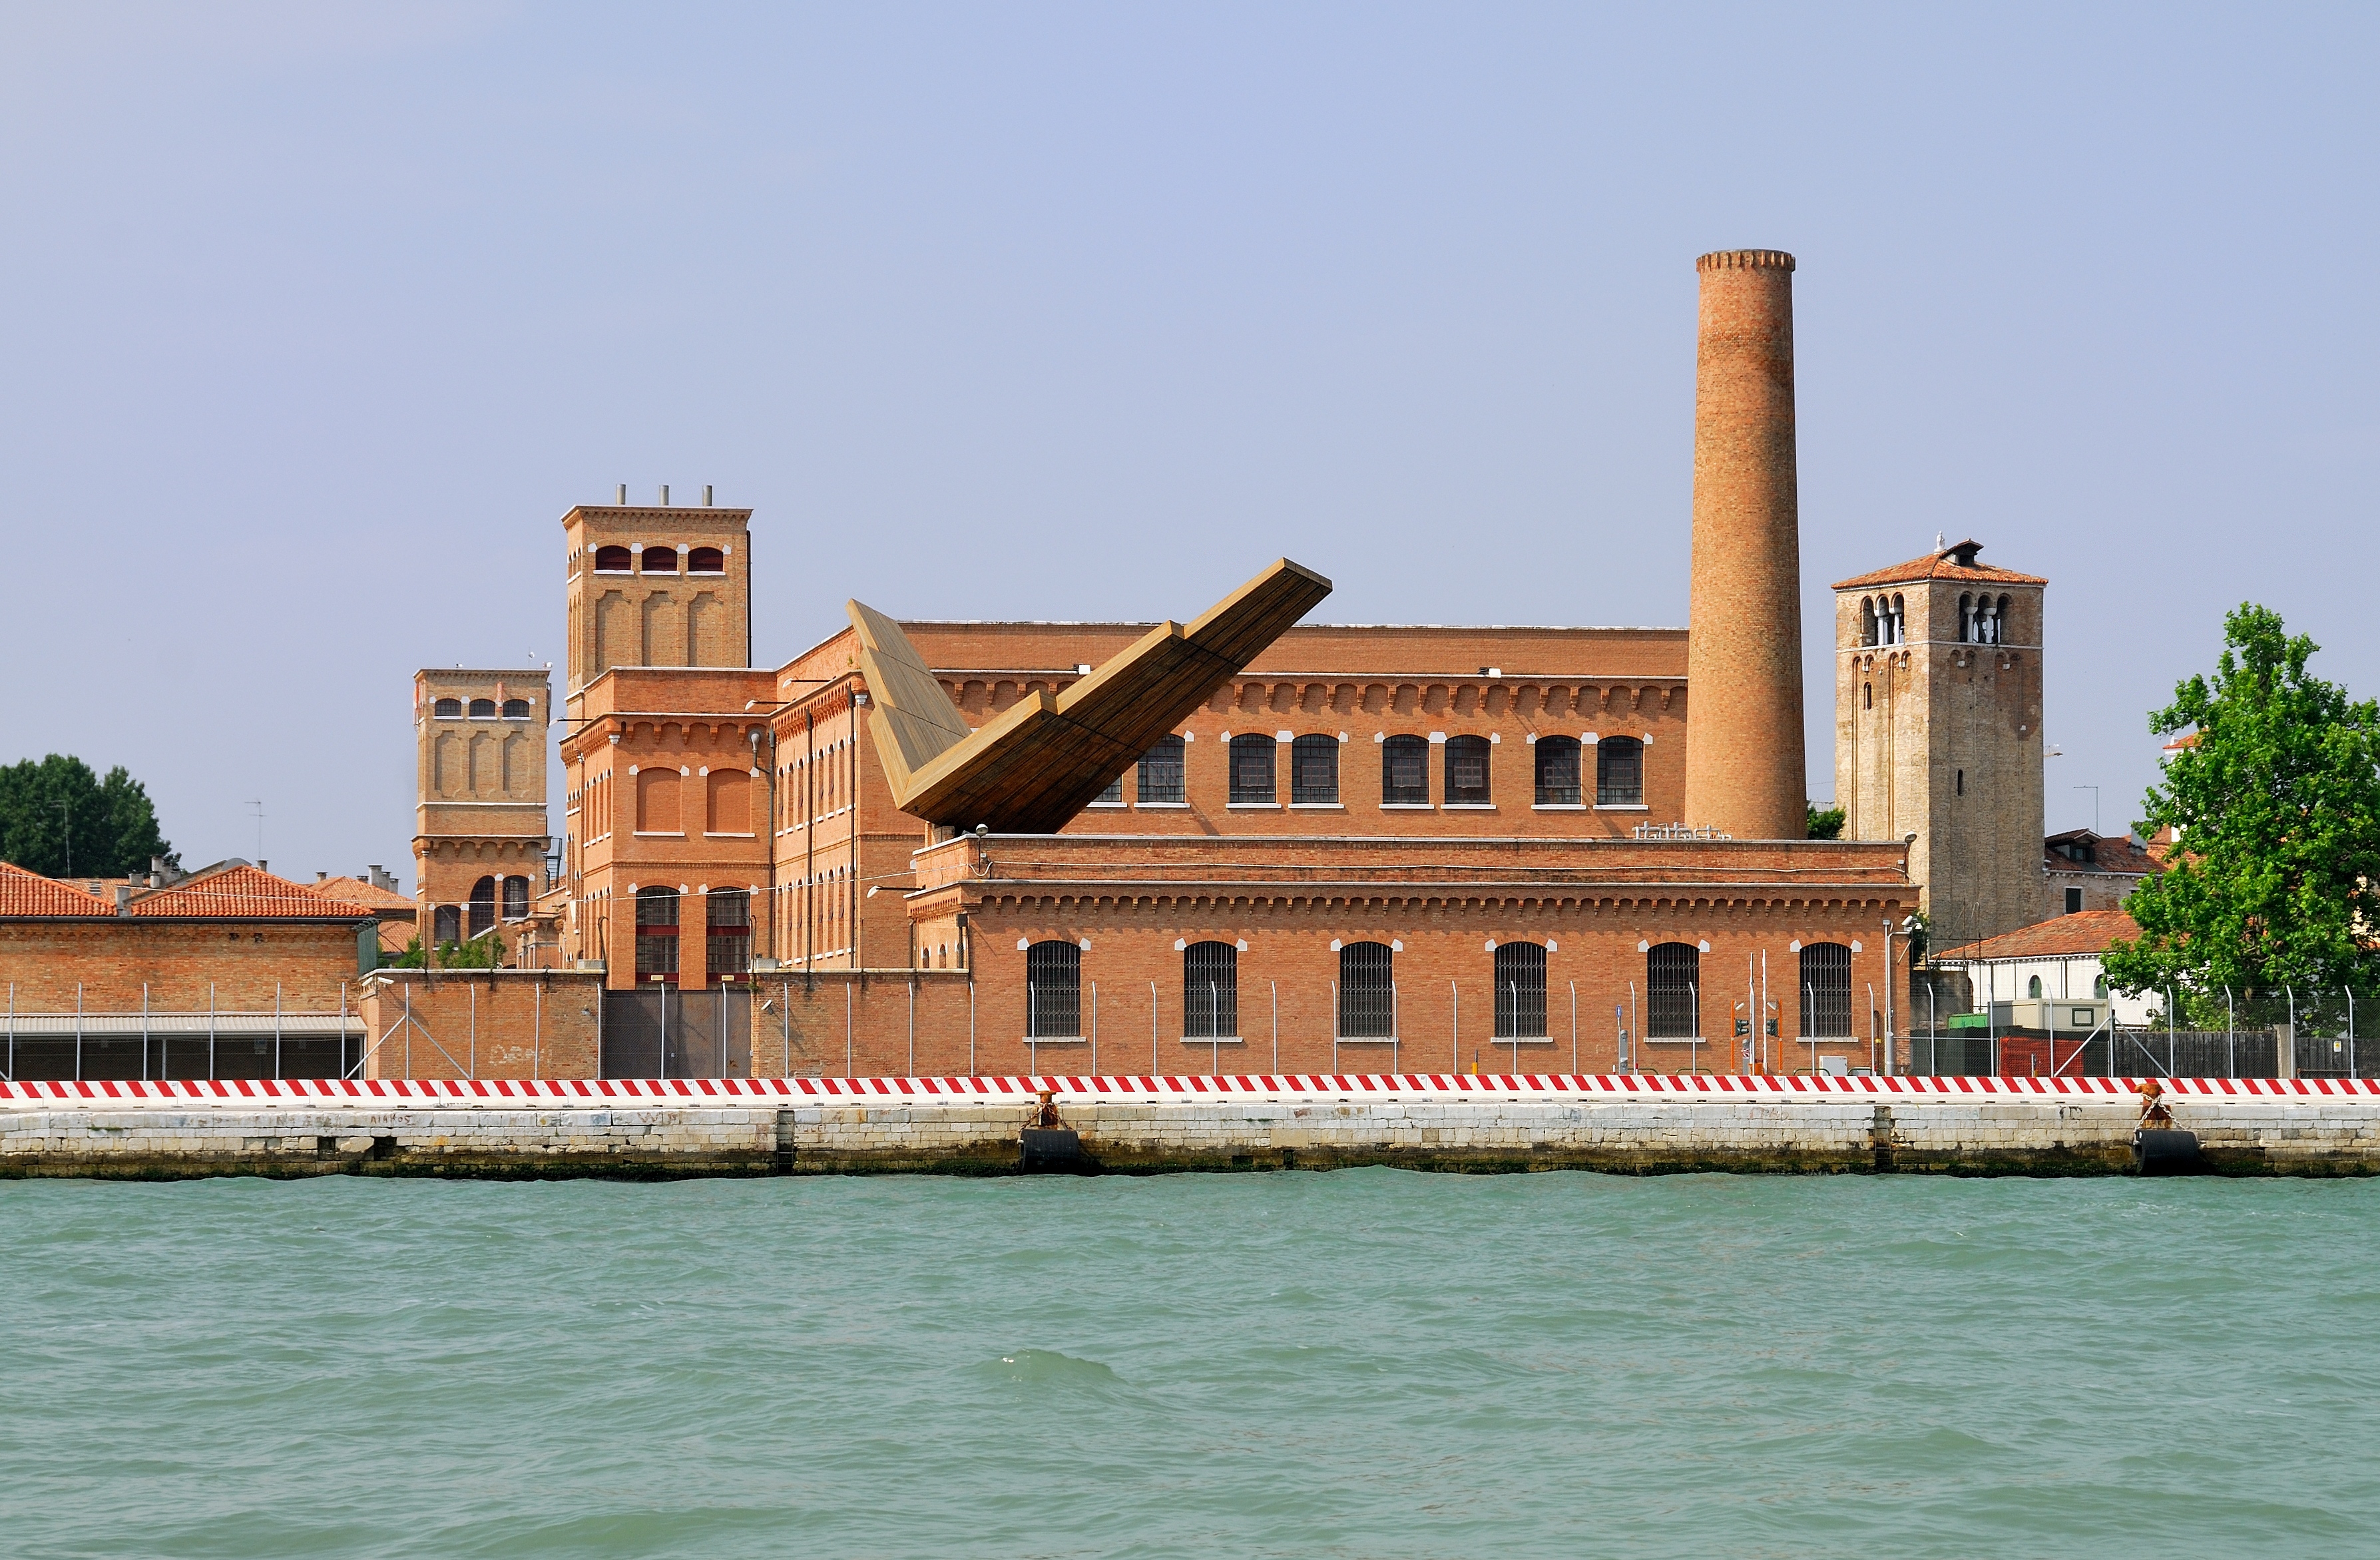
(1299, 1088)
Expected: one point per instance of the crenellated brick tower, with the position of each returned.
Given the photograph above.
(1938, 731)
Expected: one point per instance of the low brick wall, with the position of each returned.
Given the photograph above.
(971, 1127)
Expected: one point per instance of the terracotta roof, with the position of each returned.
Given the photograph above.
(1949, 563)
(30, 894)
(2120, 854)
(358, 891)
(245, 893)
(2084, 931)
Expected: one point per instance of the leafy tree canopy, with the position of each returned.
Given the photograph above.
(1825, 822)
(59, 818)
(2277, 880)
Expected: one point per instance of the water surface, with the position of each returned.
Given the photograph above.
(1358, 1364)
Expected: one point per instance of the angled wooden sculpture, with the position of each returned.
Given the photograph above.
(1033, 766)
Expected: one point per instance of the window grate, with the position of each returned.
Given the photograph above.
(1211, 992)
(1520, 990)
(1404, 772)
(1313, 770)
(1826, 990)
(1557, 772)
(1053, 991)
(1673, 972)
(1466, 771)
(1367, 992)
(1160, 772)
(1620, 772)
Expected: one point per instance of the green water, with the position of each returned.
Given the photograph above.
(1362, 1363)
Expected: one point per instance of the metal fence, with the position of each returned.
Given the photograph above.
(658, 1032)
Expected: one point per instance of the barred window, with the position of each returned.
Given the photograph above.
(1404, 771)
(447, 709)
(1113, 795)
(483, 709)
(484, 904)
(446, 922)
(1520, 990)
(1313, 770)
(1161, 771)
(1557, 772)
(1620, 772)
(1466, 771)
(1251, 758)
(729, 912)
(515, 898)
(1826, 990)
(516, 709)
(1211, 992)
(1367, 992)
(1053, 991)
(1673, 979)
(657, 932)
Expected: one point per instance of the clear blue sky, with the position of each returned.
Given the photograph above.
(318, 317)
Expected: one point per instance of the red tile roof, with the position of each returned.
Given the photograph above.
(2084, 931)
(1949, 563)
(358, 891)
(243, 893)
(30, 894)
(2109, 853)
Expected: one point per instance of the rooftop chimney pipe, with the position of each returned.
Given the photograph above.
(706, 495)
(1744, 770)
(665, 495)
(624, 495)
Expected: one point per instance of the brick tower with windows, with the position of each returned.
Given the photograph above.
(1937, 733)
(480, 835)
(656, 586)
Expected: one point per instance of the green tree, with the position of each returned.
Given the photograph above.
(2278, 804)
(59, 818)
(1825, 822)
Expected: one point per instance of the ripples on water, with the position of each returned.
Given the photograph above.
(1360, 1363)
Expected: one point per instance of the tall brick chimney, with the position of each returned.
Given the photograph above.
(1744, 773)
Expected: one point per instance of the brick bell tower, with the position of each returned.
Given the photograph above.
(1744, 767)
(1938, 731)
(652, 585)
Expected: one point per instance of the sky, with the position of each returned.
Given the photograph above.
(318, 316)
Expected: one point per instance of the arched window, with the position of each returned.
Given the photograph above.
(484, 904)
(447, 924)
(1404, 772)
(483, 709)
(1160, 772)
(1966, 618)
(1466, 772)
(706, 560)
(1620, 772)
(1367, 992)
(515, 898)
(660, 560)
(657, 934)
(728, 809)
(1868, 621)
(1252, 768)
(1899, 631)
(447, 709)
(1826, 990)
(1053, 991)
(1867, 696)
(1672, 984)
(612, 560)
(1211, 992)
(1520, 990)
(729, 912)
(1313, 770)
(1999, 622)
(2099, 987)
(2033, 988)
(1556, 771)
(516, 709)
(658, 810)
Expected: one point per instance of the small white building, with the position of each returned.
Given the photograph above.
(2054, 959)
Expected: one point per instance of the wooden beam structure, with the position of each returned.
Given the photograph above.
(1031, 768)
